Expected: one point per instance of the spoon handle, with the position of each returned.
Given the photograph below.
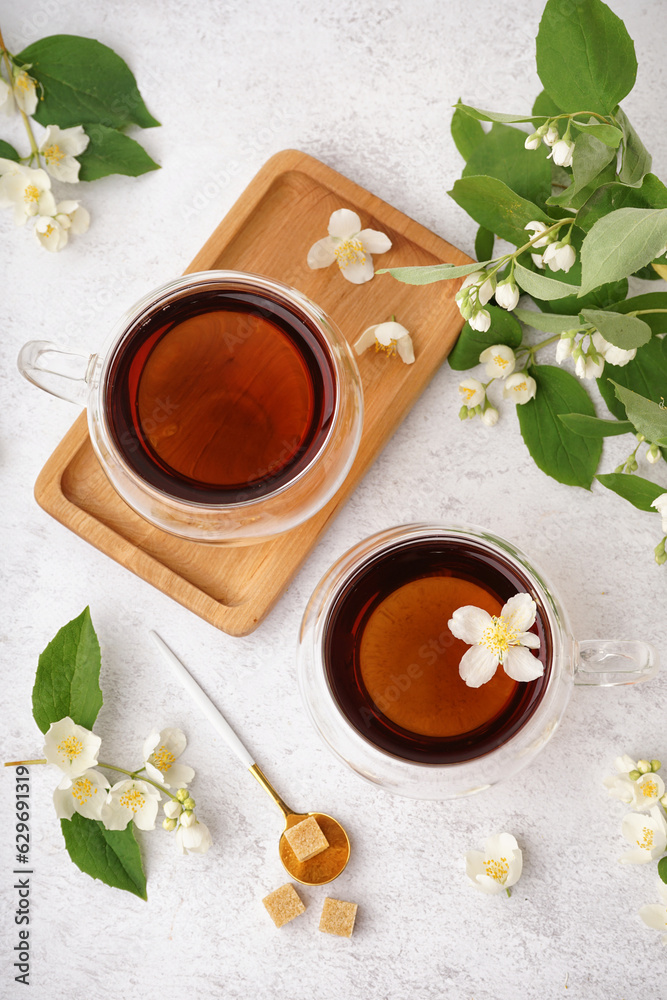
(204, 702)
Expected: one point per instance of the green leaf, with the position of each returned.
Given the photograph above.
(492, 204)
(467, 132)
(484, 243)
(595, 427)
(651, 194)
(68, 675)
(585, 57)
(621, 243)
(545, 105)
(636, 160)
(502, 154)
(546, 322)
(622, 331)
(84, 81)
(504, 329)
(651, 300)
(8, 152)
(431, 272)
(639, 492)
(112, 856)
(589, 161)
(565, 456)
(645, 375)
(111, 152)
(539, 286)
(495, 116)
(608, 134)
(647, 417)
(662, 868)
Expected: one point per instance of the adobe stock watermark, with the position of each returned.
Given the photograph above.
(429, 653)
(21, 938)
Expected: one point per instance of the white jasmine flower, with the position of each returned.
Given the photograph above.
(73, 216)
(28, 190)
(660, 504)
(551, 136)
(565, 346)
(655, 914)
(350, 246)
(71, 747)
(647, 834)
(498, 867)
(494, 640)
(589, 366)
(507, 294)
(614, 355)
(473, 393)
(485, 285)
(85, 795)
(59, 147)
(50, 233)
(192, 837)
(640, 793)
(559, 256)
(536, 227)
(131, 800)
(161, 749)
(499, 361)
(391, 338)
(562, 152)
(481, 320)
(490, 416)
(520, 387)
(537, 260)
(25, 91)
(7, 102)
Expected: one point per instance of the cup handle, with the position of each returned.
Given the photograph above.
(61, 373)
(606, 663)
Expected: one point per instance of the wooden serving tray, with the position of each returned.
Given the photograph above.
(269, 231)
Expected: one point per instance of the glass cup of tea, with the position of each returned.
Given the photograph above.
(379, 666)
(227, 407)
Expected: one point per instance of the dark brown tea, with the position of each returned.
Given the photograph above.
(222, 396)
(393, 665)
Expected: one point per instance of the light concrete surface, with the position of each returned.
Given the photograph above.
(367, 88)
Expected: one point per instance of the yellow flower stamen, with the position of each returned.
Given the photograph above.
(519, 387)
(389, 348)
(467, 393)
(647, 840)
(31, 193)
(82, 789)
(162, 759)
(53, 154)
(499, 636)
(70, 747)
(503, 362)
(48, 230)
(132, 799)
(649, 788)
(496, 869)
(23, 82)
(350, 252)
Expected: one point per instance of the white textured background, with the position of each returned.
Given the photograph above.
(368, 88)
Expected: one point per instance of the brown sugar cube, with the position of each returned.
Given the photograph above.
(306, 839)
(338, 917)
(284, 904)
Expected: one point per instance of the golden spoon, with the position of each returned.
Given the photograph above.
(324, 867)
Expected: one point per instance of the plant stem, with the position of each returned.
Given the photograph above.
(644, 312)
(16, 763)
(543, 343)
(109, 767)
(34, 149)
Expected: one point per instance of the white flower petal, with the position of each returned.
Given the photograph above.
(321, 254)
(477, 666)
(343, 224)
(150, 743)
(154, 773)
(489, 885)
(366, 340)
(374, 241)
(521, 665)
(144, 818)
(63, 800)
(499, 845)
(357, 271)
(529, 639)
(520, 612)
(406, 351)
(469, 623)
(180, 775)
(655, 916)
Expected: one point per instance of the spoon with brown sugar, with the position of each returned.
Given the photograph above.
(319, 869)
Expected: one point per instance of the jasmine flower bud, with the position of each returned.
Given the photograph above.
(182, 794)
(490, 416)
(643, 766)
(507, 294)
(168, 824)
(551, 135)
(562, 152)
(481, 320)
(656, 765)
(653, 454)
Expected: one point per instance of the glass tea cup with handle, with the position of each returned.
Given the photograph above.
(379, 666)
